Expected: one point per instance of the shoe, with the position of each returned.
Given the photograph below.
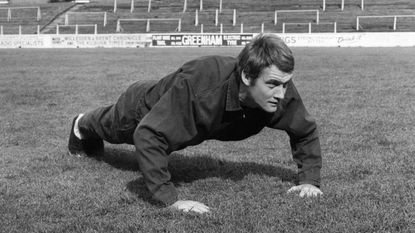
(84, 147)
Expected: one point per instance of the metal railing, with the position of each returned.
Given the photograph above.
(104, 13)
(148, 29)
(309, 24)
(77, 27)
(295, 11)
(9, 11)
(395, 18)
(362, 5)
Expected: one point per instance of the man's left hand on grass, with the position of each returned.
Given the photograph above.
(190, 206)
(306, 190)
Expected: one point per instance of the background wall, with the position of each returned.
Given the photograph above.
(404, 39)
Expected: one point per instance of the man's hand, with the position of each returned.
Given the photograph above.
(307, 190)
(187, 206)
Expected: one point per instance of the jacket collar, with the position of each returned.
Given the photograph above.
(232, 95)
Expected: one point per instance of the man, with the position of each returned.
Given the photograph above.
(212, 97)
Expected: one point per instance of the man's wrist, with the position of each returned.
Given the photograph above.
(312, 182)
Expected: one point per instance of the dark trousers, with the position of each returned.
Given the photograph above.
(116, 123)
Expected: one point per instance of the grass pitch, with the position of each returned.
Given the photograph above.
(362, 99)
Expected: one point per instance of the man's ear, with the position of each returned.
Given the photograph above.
(245, 79)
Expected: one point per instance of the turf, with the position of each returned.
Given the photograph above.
(362, 99)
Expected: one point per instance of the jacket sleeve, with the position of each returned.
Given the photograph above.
(304, 140)
(168, 126)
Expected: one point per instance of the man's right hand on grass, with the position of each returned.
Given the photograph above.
(187, 206)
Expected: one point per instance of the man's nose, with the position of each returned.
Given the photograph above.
(279, 92)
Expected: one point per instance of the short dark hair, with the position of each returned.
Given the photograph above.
(263, 51)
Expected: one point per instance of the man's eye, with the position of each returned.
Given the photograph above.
(274, 85)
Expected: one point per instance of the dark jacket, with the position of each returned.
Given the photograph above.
(200, 101)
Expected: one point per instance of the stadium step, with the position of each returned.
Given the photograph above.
(59, 19)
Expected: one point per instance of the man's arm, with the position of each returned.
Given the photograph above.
(304, 141)
(305, 147)
(170, 125)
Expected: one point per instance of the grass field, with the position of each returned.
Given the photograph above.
(363, 100)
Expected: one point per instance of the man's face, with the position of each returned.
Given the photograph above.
(269, 88)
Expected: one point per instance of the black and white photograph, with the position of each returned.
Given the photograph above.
(207, 116)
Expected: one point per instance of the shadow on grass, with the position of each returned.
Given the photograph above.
(186, 169)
